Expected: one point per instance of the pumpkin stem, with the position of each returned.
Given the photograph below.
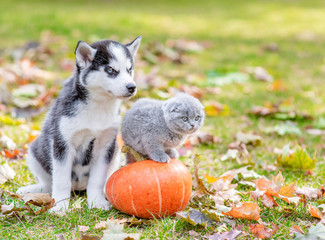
(131, 154)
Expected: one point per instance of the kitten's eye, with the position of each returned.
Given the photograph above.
(185, 119)
(197, 118)
(110, 70)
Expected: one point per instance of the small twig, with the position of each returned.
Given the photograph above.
(129, 150)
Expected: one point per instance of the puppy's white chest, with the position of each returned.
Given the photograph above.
(91, 122)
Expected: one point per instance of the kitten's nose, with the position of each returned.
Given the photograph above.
(131, 87)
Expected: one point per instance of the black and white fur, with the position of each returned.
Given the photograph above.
(77, 148)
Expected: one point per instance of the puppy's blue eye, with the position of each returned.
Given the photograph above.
(185, 119)
(197, 118)
(110, 70)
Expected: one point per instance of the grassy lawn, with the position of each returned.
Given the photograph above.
(284, 37)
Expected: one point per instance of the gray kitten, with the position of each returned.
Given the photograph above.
(155, 128)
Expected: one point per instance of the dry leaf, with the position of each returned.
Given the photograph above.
(262, 232)
(268, 200)
(37, 199)
(101, 224)
(83, 228)
(310, 193)
(198, 183)
(315, 212)
(247, 210)
(296, 229)
(6, 173)
(248, 138)
(231, 235)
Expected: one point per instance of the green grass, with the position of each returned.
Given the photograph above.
(238, 32)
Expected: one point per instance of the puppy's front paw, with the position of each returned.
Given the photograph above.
(100, 203)
(60, 208)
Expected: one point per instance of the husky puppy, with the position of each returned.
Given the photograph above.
(77, 148)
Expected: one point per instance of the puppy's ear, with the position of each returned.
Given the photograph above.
(84, 54)
(134, 45)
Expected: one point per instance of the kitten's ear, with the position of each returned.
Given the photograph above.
(171, 107)
(85, 54)
(134, 46)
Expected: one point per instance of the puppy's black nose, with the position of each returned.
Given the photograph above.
(131, 87)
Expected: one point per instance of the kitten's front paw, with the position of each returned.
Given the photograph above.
(163, 158)
(172, 153)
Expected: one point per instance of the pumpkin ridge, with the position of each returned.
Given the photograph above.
(159, 190)
(132, 203)
(181, 205)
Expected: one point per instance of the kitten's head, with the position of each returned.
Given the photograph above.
(183, 113)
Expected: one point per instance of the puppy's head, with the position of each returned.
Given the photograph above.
(107, 67)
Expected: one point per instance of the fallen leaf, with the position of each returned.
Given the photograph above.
(299, 159)
(115, 231)
(87, 237)
(231, 235)
(210, 179)
(6, 142)
(201, 137)
(277, 85)
(83, 228)
(11, 154)
(261, 74)
(101, 224)
(198, 183)
(268, 201)
(230, 154)
(315, 212)
(262, 232)
(214, 108)
(194, 217)
(315, 233)
(192, 233)
(284, 129)
(296, 229)
(7, 208)
(6, 173)
(247, 210)
(242, 173)
(248, 138)
(287, 191)
(37, 199)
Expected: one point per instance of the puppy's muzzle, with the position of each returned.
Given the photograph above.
(131, 88)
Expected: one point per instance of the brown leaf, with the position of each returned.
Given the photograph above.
(310, 193)
(269, 187)
(287, 191)
(198, 183)
(268, 200)
(247, 210)
(315, 212)
(37, 199)
(262, 232)
(296, 229)
(201, 137)
(248, 138)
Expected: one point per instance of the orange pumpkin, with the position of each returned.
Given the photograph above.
(148, 189)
